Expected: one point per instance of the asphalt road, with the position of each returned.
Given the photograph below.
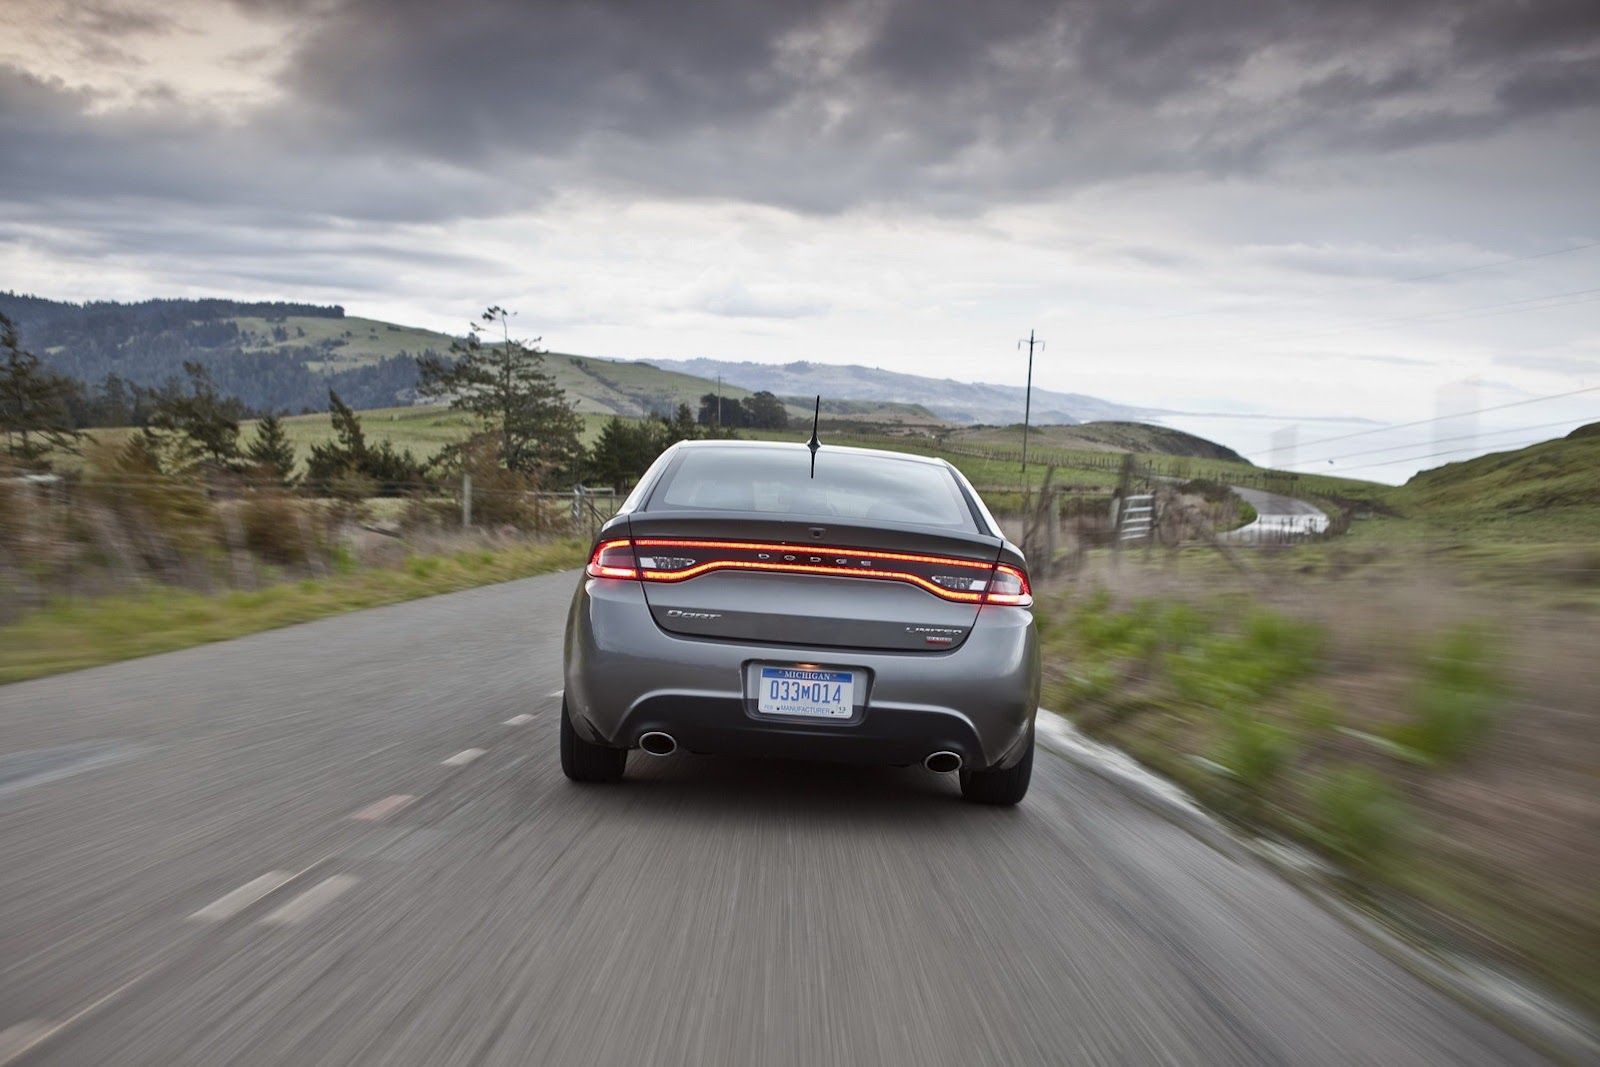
(183, 881)
(1278, 517)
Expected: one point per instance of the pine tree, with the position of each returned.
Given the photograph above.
(198, 425)
(271, 450)
(683, 426)
(34, 412)
(505, 386)
(625, 450)
(347, 428)
(348, 466)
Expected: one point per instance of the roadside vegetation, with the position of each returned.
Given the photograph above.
(200, 524)
(73, 633)
(1412, 696)
(1433, 739)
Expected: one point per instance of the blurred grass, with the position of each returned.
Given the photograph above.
(72, 634)
(1394, 754)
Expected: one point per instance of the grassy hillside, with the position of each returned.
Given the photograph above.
(629, 388)
(863, 413)
(1098, 436)
(349, 341)
(1549, 490)
(1561, 473)
(596, 386)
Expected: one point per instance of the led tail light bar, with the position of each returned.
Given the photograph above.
(652, 559)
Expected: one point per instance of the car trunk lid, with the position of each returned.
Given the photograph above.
(788, 582)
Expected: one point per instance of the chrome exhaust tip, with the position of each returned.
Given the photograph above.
(943, 762)
(657, 743)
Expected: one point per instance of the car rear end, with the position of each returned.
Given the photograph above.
(869, 611)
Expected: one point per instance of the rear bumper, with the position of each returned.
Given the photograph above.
(626, 677)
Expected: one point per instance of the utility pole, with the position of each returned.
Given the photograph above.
(1027, 402)
(717, 422)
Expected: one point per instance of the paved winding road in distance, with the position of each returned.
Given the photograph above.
(1278, 517)
(350, 841)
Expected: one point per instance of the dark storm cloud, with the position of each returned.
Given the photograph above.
(66, 156)
(822, 105)
(404, 109)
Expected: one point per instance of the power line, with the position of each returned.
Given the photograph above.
(1432, 455)
(1440, 441)
(1440, 418)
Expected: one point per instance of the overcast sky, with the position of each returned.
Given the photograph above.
(1270, 207)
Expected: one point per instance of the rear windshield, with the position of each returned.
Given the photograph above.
(848, 485)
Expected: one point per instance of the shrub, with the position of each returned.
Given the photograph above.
(1357, 814)
(1317, 714)
(166, 517)
(15, 503)
(273, 527)
(1254, 752)
(1228, 670)
(1452, 703)
(1208, 489)
(1145, 628)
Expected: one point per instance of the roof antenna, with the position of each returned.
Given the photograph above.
(815, 444)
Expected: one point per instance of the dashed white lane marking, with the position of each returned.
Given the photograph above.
(311, 901)
(226, 907)
(464, 757)
(20, 1037)
(19, 1040)
(387, 806)
(519, 720)
(557, 693)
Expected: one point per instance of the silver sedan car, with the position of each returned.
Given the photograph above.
(841, 604)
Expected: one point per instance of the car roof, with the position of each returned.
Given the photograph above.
(931, 461)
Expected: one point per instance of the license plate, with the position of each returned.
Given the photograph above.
(807, 694)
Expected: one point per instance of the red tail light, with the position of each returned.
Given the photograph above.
(612, 559)
(1009, 586)
(968, 581)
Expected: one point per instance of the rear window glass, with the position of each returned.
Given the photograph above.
(848, 485)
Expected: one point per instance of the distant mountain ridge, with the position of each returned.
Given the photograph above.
(951, 400)
(276, 355)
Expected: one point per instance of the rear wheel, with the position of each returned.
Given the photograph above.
(583, 761)
(1006, 786)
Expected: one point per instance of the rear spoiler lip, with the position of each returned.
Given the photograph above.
(821, 531)
(722, 526)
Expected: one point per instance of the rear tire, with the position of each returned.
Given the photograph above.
(583, 761)
(1005, 787)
